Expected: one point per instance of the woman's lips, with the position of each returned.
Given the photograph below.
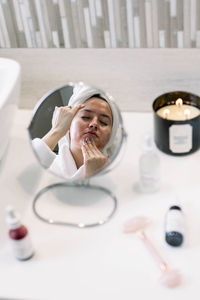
(91, 133)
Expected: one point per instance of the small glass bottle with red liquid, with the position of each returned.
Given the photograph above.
(19, 236)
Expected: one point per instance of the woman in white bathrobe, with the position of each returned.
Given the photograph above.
(84, 130)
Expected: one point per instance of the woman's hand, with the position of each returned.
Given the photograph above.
(94, 160)
(62, 118)
(61, 121)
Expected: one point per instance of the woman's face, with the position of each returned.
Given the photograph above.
(94, 121)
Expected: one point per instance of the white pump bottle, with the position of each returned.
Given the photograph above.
(149, 167)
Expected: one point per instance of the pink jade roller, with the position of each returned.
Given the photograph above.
(169, 278)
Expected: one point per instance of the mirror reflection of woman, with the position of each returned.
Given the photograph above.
(84, 131)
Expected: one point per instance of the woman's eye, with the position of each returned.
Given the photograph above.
(103, 123)
(85, 118)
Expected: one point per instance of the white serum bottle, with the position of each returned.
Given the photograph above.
(149, 167)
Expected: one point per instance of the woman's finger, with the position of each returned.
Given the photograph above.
(84, 152)
(76, 108)
(93, 150)
(90, 149)
(87, 154)
(93, 144)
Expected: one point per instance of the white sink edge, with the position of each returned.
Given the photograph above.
(6, 65)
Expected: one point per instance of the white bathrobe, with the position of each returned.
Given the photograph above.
(62, 164)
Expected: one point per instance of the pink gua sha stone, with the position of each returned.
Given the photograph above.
(169, 278)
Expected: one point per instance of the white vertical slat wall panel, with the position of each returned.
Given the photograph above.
(99, 23)
(129, 7)
(149, 30)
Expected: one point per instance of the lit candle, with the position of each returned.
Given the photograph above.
(166, 113)
(177, 123)
(187, 113)
(178, 111)
(179, 102)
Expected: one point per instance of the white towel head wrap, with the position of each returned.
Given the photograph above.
(81, 93)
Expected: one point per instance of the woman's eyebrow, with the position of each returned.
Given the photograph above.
(90, 111)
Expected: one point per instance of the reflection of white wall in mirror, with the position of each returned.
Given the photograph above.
(75, 165)
(178, 111)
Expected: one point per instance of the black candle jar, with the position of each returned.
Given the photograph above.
(176, 137)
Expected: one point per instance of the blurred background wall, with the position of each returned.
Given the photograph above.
(99, 23)
(56, 41)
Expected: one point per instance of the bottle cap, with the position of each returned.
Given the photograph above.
(175, 207)
(12, 218)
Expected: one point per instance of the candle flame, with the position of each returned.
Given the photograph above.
(187, 113)
(166, 113)
(179, 102)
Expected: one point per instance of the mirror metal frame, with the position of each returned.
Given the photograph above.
(77, 225)
(110, 165)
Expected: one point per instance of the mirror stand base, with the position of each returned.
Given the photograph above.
(76, 205)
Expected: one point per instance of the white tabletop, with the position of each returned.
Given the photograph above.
(101, 262)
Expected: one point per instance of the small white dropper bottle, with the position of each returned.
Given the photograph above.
(149, 167)
(19, 235)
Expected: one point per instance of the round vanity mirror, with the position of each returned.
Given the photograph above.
(76, 133)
